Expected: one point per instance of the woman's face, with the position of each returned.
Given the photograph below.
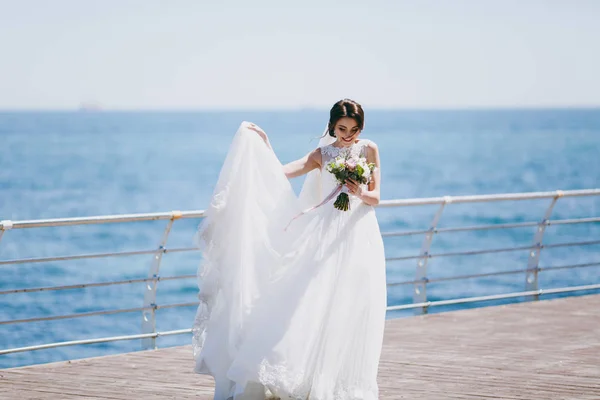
(346, 131)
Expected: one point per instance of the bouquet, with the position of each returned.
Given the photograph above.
(343, 167)
(348, 166)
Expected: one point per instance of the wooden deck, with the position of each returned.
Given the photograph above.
(536, 350)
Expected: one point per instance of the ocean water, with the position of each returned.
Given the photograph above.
(74, 164)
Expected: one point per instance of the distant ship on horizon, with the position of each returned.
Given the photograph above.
(90, 106)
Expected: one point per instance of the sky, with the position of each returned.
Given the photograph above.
(236, 54)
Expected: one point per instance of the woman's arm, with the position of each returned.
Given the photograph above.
(295, 168)
(370, 196)
(303, 165)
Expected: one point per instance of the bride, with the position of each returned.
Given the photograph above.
(292, 302)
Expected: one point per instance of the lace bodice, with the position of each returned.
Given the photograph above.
(359, 149)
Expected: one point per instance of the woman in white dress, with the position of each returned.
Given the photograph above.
(292, 310)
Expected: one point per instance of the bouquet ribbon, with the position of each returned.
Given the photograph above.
(328, 198)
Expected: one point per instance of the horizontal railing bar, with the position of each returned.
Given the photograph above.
(461, 228)
(201, 213)
(405, 233)
(105, 219)
(76, 286)
(573, 221)
(553, 245)
(550, 268)
(93, 313)
(462, 253)
(514, 271)
(493, 297)
(170, 278)
(488, 198)
(488, 251)
(93, 341)
(79, 315)
(384, 234)
(180, 249)
(191, 276)
(186, 249)
(96, 284)
(94, 255)
(490, 227)
(77, 257)
(194, 303)
(457, 277)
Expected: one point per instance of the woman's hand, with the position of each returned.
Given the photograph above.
(354, 187)
(260, 132)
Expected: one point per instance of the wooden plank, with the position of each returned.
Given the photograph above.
(534, 350)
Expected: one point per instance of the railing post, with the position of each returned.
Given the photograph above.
(420, 288)
(533, 261)
(5, 226)
(149, 314)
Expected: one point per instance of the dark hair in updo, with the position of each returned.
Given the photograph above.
(346, 108)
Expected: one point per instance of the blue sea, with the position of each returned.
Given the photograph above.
(76, 164)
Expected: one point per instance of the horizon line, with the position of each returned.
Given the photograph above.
(301, 108)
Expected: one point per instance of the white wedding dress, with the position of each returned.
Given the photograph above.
(296, 313)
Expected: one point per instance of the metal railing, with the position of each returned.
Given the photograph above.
(420, 303)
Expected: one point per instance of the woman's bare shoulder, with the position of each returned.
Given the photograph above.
(315, 157)
(370, 144)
